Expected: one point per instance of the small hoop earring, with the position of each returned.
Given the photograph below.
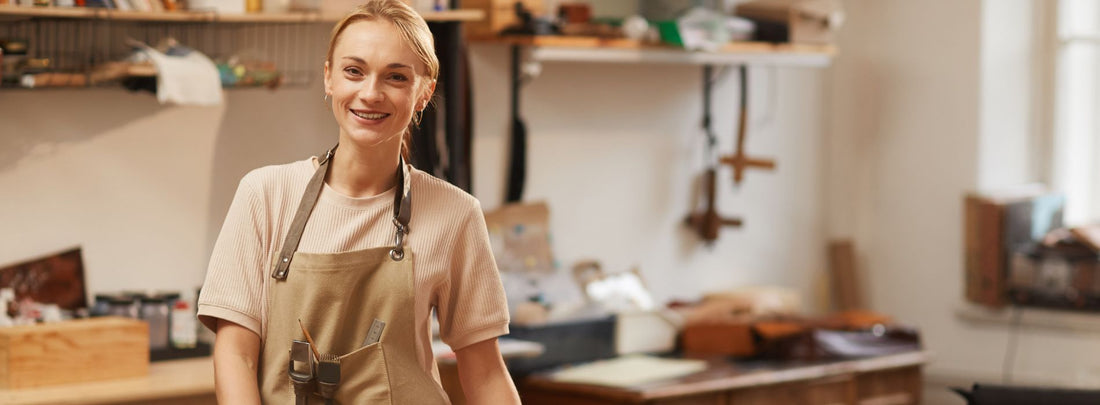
(417, 117)
(325, 97)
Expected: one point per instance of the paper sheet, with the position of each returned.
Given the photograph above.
(629, 371)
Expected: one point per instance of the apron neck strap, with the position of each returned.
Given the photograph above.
(402, 213)
(402, 210)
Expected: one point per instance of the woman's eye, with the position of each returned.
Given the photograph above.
(352, 71)
(399, 77)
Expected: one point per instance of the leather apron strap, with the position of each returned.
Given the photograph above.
(402, 213)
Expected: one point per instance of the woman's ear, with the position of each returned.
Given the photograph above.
(428, 92)
(328, 81)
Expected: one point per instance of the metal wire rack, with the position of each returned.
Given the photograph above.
(294, 49)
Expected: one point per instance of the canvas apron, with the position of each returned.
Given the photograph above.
(337, 297)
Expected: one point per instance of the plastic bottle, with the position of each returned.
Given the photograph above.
(184, 333)
(6, 296)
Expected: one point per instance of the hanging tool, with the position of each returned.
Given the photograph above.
(707, 222)
(301, 371)
(739, 161)
(328, 377)
(517, 166)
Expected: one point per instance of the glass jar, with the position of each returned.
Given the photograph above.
(120, 305)
(154, 311)
(102, 305)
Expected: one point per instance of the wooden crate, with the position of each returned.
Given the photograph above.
(499, 14)
(73, 351)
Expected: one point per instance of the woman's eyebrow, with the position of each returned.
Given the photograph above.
(394, 65)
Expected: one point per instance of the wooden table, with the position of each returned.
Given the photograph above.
(886, 380)
(174, 382)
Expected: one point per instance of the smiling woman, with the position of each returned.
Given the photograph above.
(317, 323)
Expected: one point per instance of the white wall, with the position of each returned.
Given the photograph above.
(614, 148)
(140, 187)
(929, 100)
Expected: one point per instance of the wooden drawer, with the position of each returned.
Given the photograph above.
(901, 386)
(793, 393)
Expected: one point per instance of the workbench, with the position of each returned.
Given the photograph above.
(174, 382)
(886, 380)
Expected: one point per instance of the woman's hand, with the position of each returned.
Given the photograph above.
(484, 378)
(236, 356)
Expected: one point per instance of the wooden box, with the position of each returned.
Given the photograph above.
(728, 337)
(795, 21)
(499, 14)
(73, 351)
(995, 224)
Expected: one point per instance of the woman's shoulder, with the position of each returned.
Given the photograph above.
(275, 179)
(436, 193)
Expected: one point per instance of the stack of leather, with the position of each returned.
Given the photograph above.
(727, 327)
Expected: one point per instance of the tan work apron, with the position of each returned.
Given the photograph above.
(337, 297)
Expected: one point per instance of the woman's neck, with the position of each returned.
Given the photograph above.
(363, 172)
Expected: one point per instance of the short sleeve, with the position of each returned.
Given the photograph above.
(471, 304)
(233, 289)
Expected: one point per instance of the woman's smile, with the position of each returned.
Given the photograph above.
(368, 116)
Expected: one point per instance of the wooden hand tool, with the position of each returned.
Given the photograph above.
(739, 160)
(707, 222)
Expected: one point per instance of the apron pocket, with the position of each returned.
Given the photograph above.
(363, 377)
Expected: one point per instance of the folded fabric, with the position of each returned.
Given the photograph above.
(188, 79)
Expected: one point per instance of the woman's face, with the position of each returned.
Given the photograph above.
(376, 83)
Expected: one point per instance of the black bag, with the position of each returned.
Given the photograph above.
(1005, 395)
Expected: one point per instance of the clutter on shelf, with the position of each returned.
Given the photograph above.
(681, 24)
(51, 290)
(45, 52)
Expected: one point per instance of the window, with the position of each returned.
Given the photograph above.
(1076, 115)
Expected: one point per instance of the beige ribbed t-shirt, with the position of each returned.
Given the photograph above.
(454, 270)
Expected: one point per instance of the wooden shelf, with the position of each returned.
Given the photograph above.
(10, 12)
(591, 49)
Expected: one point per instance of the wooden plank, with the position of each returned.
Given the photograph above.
(616, 50)
(842, 274)
(190, 378)
(22, 12)
(725, 376)
(54, 12)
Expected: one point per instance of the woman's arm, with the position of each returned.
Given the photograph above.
(484, 378)
(236, 356)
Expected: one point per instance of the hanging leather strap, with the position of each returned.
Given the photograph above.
(402, 214)
(402, 211)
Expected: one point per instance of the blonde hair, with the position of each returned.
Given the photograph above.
(414, 30)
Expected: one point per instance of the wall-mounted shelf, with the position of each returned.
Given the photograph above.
(591, 49)
(10, 12)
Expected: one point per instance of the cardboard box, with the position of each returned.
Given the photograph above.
(728, 337)
(73, 351)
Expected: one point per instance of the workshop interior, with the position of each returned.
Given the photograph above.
(688, 201)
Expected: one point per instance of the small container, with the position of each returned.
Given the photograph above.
(154, 311)
(101, 305)
(184, 326)
(119, 305)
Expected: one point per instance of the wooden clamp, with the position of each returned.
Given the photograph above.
(739, 160)
(707, 222)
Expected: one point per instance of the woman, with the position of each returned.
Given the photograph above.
(329, 292)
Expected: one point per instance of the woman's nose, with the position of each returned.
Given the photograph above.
(371, 91)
